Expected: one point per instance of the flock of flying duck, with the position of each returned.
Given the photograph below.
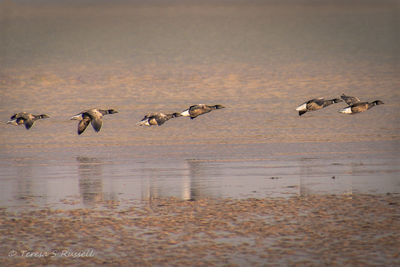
(94, 116)
(354, 104)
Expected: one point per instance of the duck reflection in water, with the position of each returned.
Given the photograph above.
(155, 186)
(90, 182)
(196, 174)
(317, 178)
(183, 180)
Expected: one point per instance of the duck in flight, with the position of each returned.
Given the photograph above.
(199, 109)
(93, 116)
(356, 106)
(26, 118)
(316, 104)
(350, 100)
(157, 118)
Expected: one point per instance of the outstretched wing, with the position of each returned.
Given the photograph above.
(96, 123)
(350, 100)
(317, 101)
(161, 118)
(28, 124)
(83, 124)
(315, 104)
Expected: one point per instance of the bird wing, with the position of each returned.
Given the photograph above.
(96, 123)
(83, 124)
(350, 100)
(318, 101)
(161, 118)
(28, 124)
(80, 113)
(22, 115)
(315, 104)
(198, 106)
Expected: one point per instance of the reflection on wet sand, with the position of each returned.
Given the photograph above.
(22, 190)
(196, 174)
(90, 180)
(182, 180)
(329, 179)
(347, 177)
(24, 186)
(165, 181)
(101, 178)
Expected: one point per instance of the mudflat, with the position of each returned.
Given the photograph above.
(312, 230)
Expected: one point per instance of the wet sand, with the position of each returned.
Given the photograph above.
(356, 230)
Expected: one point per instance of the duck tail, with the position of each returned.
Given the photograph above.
(76, 117)
(346, 110)
(143, 123)
(185, 113)
(302, 107)
(13, 122)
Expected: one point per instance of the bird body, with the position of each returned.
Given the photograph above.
(93, 116)
(26, 118)
(356, 106)
(157, 118)
(199, 109)
(360, 107)
(316, 104)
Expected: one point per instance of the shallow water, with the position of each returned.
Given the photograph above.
(260, 60)
(191, 172)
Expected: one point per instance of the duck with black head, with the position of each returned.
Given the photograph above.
(26, 118)
(199, 109)
(93, 116)
(157, 118)
(316, 104)
(359, 107)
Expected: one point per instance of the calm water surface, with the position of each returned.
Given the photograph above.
(260, 60)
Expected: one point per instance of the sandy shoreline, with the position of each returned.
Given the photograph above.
(350, 230)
